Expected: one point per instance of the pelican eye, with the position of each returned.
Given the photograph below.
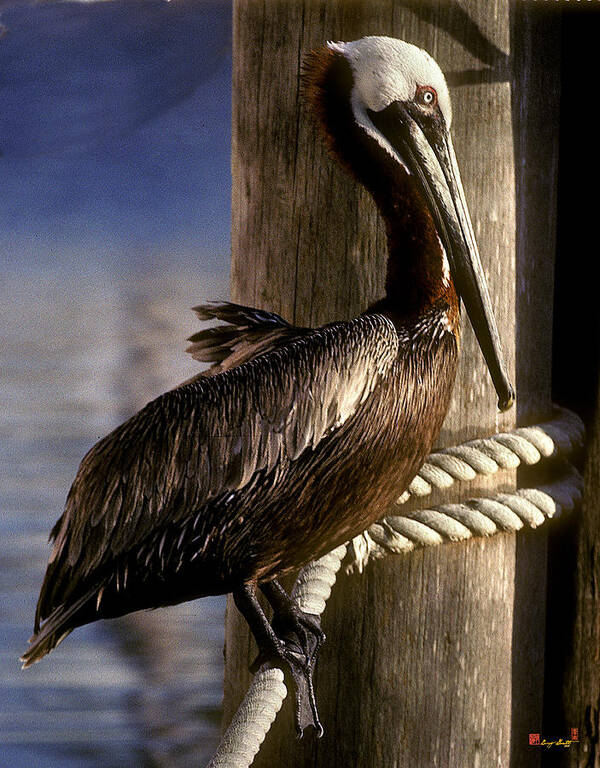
(426, 95)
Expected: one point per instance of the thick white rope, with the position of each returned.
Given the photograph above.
(506, 450)
(252, 721)
(264, 698)
(508, 512)
(428, 527)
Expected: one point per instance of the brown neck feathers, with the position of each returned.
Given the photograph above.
(417, 275)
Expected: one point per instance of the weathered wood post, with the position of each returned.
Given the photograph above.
(424, 663)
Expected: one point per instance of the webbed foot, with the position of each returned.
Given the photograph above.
(302, 636)
(293, 641)
(299, 667)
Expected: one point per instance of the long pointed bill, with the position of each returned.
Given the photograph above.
(424, 146)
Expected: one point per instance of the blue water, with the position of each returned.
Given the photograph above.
(77, 357)
(114, 221)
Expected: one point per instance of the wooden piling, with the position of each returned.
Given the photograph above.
(435, 658)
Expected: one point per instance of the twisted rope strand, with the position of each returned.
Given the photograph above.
(508, 512)
(506, 450)
(426, 527)
(252, 721)
(266, 693)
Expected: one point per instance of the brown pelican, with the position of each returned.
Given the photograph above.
(297, 439)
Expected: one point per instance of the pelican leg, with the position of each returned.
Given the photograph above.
(288, 617)
(287, 648)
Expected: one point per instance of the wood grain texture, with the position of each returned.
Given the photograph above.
(420, 665)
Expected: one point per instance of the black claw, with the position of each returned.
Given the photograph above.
(294, 638)
(298, 664)
(302, 637)
(306, 705)
(301, 629)
(300, 668)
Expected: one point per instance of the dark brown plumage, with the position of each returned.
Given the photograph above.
(293, 442)
(237, 476)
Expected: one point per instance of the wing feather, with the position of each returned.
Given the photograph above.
(210, 437)
(250, 332)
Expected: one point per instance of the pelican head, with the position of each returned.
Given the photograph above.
(399, 102)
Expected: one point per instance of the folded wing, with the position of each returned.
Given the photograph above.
(211, 437)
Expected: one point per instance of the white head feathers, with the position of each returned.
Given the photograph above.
(387, 70)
